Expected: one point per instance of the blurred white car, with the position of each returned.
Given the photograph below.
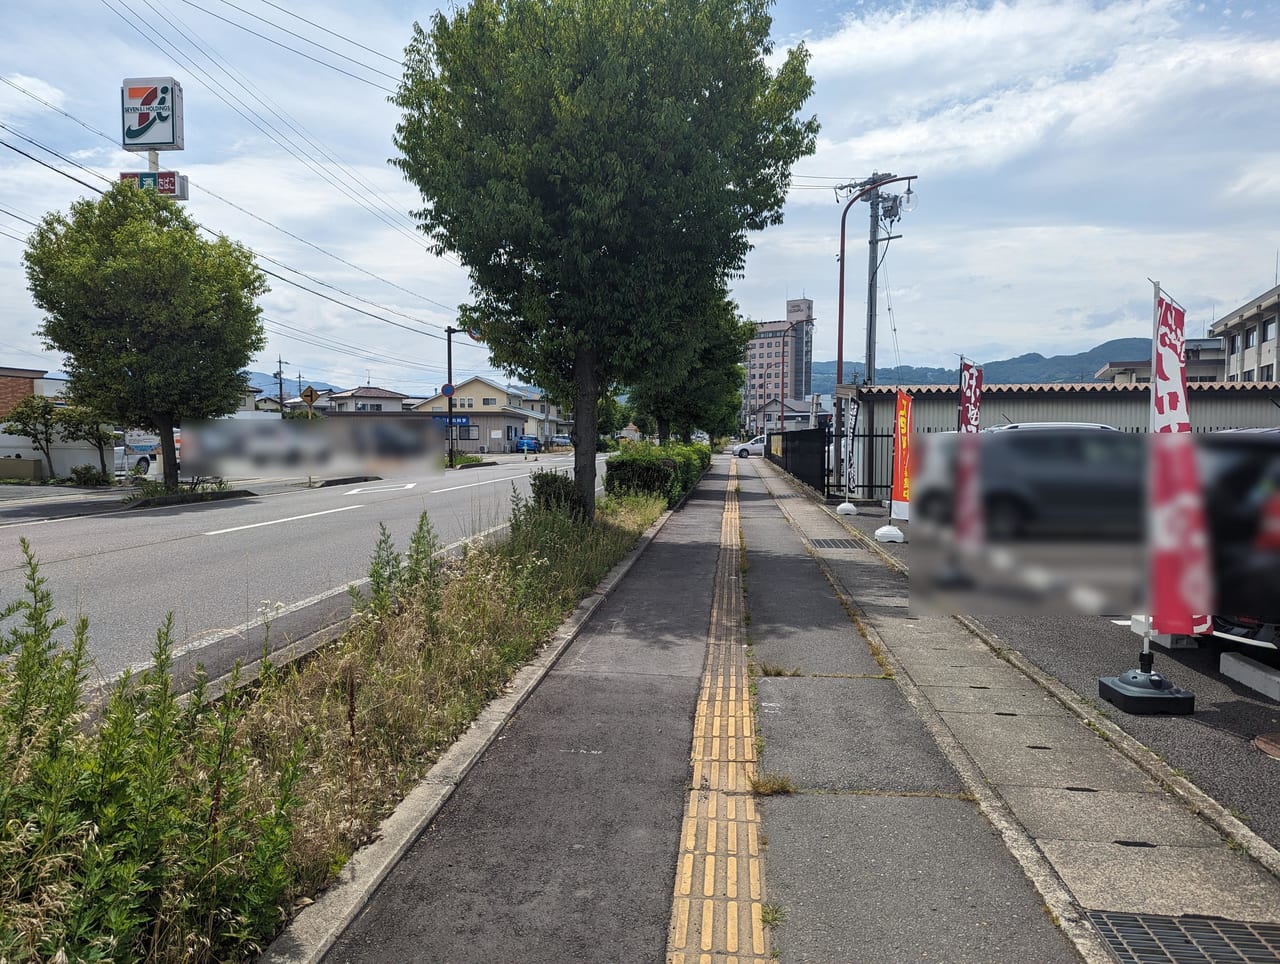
(744, 449)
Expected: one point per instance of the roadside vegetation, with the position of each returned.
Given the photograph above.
(668, 470)
(154, 828)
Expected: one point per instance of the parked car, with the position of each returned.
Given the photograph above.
(1083, 479)
(745, 449)
(561, 440)
(528, 443)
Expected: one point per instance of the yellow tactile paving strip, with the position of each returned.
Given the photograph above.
(719, 893)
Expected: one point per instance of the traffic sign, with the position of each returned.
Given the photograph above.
(309, 395)
(169, 183)
(474, 334)
(447, 390)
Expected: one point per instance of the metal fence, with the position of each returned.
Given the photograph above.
(803, 453)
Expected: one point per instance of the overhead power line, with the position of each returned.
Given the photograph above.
(266, 271)
(322, 63)
(304, 39)
(394, 60)
(257, 217)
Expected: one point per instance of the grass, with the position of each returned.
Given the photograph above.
(771, 669)
(772, 915)
(191, 830)
(772, 785)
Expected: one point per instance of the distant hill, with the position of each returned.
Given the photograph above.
(270, 387)
(1032, 367)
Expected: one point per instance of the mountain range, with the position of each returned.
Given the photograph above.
(1032, 367)
(271, 387)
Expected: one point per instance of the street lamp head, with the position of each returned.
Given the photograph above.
(909, 201)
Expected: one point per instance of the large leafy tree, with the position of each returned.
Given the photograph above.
(157, 323)
(596, 165)
(709, 397)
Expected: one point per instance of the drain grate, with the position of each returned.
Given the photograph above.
(1155, 939)
(834, 544)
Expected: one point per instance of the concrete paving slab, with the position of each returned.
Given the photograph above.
(1101, 769)
(796, 619)
(1165, 880)
(994, 675)
(1059, 732)
(966, 699)
(842, 734)
(892, 879)
(1106, 816)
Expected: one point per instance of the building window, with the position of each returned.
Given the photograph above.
(1267, 373)
(1233, 345)
(489, 401)
(1250, 336)
(1246, 375)
(1269, 329)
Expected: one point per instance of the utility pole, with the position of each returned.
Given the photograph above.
(449, 333)
(279, 377)
(869, 189)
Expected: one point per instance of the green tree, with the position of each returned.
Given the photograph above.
(157, 323)
(594, 165)
(79, 423)
(710, 395)
(35, 418)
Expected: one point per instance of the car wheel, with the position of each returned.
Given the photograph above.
(743, 453)
(142, 466)
(1003, 519)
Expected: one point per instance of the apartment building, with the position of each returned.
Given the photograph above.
(1250, 336)
(780, 358)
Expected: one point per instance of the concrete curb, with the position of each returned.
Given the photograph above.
(1059, 902)
(318, 926)
(1199, 802)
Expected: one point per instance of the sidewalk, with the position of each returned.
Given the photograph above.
(946, 807)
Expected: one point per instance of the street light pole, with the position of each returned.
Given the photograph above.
(870, 186)
(449, 333)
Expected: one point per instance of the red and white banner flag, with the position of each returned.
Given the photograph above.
(900, 504)
(968, 504)
(1180, 582)
(970, 395)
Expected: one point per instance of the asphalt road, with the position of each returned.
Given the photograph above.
(219, 567)
(1213, 747)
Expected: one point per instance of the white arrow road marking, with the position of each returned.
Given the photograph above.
(383, 488)
(276, 522)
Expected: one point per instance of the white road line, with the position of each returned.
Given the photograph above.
(472, 485)
(276, 522)
(271, 614)
(398, 487)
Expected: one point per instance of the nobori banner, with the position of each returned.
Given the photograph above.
(151, 114)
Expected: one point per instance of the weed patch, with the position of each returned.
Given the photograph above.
(772, 785)
(185, 829)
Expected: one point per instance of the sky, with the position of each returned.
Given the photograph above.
(1066, 152)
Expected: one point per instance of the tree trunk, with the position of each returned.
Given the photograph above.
(102, 457)
(48, 458)
(664, 429)
(168, 451)
(586, 412)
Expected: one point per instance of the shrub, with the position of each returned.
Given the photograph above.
(640, 470)
(88, 475)
(556, 492)
(606, 444)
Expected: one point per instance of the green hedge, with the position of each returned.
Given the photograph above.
(668, 471)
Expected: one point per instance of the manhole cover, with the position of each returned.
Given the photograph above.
(1268, 743)
(1155, 939)
(834, 544)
